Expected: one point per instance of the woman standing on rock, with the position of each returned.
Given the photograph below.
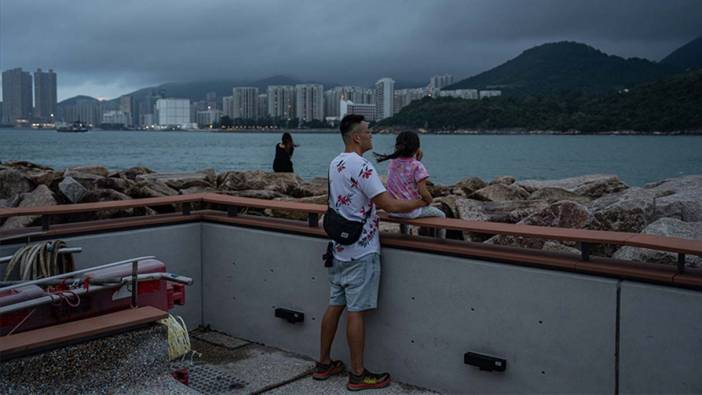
(283, 154)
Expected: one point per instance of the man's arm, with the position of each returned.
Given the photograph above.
(392, 205)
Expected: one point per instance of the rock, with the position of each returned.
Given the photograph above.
(297, 215)
(205, 178)
(593, 185)
(72, 189)
(554, 194)
(24, 165)
(504, 180)
(500, 193)
(564, 214)
(470, 184)
(553, 246)
(41, 176)
(627, 211)
(148, 189)
(118, 184)
(88, 180)
(671, 227)
(131, 173)
(108, 195)
(41, 196)
(194, 190)
(469, 209)
(89, 169)
(13, 183)
(282, 183)
(256, 193)
(679, 197)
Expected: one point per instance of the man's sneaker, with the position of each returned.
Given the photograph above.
(324, 371)
(367, 381)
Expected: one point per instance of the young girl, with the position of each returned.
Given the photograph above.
(407, 177)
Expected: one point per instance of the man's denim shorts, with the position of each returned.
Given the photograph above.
(355, 283)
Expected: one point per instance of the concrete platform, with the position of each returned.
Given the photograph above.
(235, 366)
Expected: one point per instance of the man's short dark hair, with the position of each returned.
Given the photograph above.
(348, 123)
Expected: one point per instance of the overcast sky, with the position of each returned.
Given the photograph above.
(106, 48)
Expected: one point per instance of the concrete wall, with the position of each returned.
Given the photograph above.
(556, 330)
(178, 246)
(661, 340)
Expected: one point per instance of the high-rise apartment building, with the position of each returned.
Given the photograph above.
(16, 96)
(245, 103)
(173, 112)
(281, 101)
(334, 96)
(385, 97)
(262, 105)
(128, 106)
(440, 81)
(404, 97)
(81, 109)
(227, 108)
(309, 102)
(45, 95)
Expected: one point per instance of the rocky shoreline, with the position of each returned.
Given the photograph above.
(670, 207)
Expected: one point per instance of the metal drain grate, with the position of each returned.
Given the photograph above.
(210, 380)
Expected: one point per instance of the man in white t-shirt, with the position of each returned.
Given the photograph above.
(354, 277)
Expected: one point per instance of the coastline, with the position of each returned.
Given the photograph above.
(395, 130)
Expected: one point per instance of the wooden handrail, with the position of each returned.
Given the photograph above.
(663, 243)
(89, 207)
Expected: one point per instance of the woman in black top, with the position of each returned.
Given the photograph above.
(283, 152)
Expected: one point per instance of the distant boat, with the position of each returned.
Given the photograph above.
(76, 126)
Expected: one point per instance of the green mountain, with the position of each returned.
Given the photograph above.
(668, 105)
(687, 57)
(566, 65)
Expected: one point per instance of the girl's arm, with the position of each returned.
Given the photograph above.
(424, 191)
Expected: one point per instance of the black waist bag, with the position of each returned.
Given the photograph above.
(340, 229)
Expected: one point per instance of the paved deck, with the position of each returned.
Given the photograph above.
(230, 366)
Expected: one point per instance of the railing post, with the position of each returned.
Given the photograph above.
(585, 249)
(45, 222)
(135, 274)
(681, 262)
(313, 220)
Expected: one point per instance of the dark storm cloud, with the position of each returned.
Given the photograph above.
(108, 47)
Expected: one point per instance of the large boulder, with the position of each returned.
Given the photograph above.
(108, 195)
(72, 190)
(266, 194)
(671, 227)
(627, 211)
(554, 194)
(297, 215)
(149, 189)
(504, 180)
(88, 169)
(679, 197)
(131, 173)
(469, 185)
(87, 179)
(205, 178)
(13, 183)
(41, 196)
(593, 185)
(500, 193)
(116, 183)
(564, 214)
(475, 210)
(282, 183)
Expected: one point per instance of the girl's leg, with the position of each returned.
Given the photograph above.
(430, 211)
